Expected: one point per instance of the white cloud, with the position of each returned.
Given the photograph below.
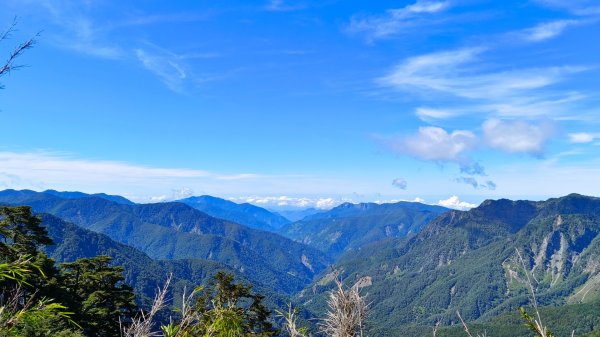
(455, 203)
(547, 30)
(326, 203)
(393, 201)
(396, 20)
(517, 136)
(176, 194)
(289, 202)
(583, 137)
(435, 144)
(182, 193)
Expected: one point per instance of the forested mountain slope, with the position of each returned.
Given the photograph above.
(351, 226)
(467, 261)
(143, 273)
(177, 231)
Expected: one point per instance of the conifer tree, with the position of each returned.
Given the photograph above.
(98, 296)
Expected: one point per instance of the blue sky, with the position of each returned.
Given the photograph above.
(305, 103)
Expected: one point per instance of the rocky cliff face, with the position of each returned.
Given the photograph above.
(469, 261)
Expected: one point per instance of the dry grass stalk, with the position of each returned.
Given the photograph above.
(466, 327)
(289, 322)
(346, 313)
(536, 324)
(188, 314)
(142, 325)
(435, 328)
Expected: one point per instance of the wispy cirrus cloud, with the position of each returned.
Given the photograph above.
(40, 164)
(428, 114)
(577, 7)
(239, 176)
(42, 169)
(448, 72)
(283, 6)
(547, 30)
(162, 18)
(165, 65)
(396, 20)
(460, 75)
(76, 27)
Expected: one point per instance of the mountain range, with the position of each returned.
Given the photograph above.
(417, 264)
(352, 226)
(468, 261)
(174, 230)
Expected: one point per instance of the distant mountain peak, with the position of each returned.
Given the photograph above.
(77, 195)
(244, 214)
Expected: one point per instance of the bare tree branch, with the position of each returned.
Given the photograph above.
(9, 65)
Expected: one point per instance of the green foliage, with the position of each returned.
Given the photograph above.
(229, 309)
(177, 231)
(170, 330)
(21, 232)
(44, 319)
(96, 292)
(17, 270)
(534, 325)
(21, 315)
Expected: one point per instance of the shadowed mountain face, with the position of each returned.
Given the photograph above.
(467, 261)
(143, 273)
(245, 214)
(352, 226)
(177, 231)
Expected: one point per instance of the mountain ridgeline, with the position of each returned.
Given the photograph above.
(77, 195)
(245, 214)
(352, 226)
(143, 273)
(417, 264)
(468, 261)
(177, 231)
